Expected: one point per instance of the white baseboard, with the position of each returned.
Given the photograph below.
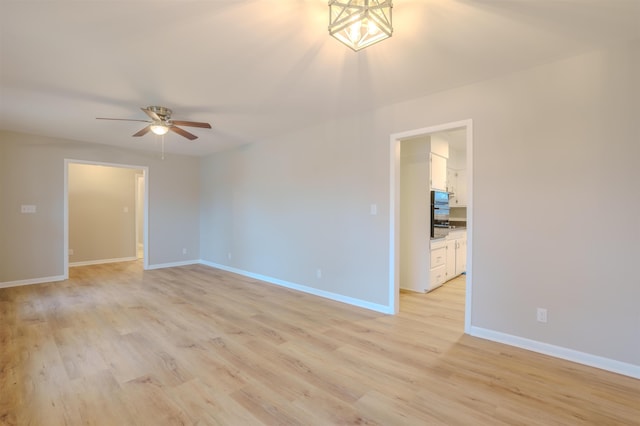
(173, 264)
(602, 363)
(102, 261)
(305, 289)
(32, 281)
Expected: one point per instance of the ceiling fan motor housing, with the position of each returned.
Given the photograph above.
(162, 112)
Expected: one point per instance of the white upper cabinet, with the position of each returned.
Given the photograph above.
(439, 148)
(457, 178)
(458, 187)
(438, 176)
(451, 183)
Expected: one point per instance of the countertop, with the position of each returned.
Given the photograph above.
(442, 233)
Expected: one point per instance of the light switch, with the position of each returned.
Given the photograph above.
(28, 208)
(373, 210)
(125, 209)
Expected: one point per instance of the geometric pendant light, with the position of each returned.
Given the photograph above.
(360, 23)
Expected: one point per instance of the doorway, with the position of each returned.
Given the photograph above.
(465, 127)
(99, 187)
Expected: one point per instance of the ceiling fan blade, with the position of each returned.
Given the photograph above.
(183, 132)
(142, 132)
(192, 124)
(122, 119)
(152, 114)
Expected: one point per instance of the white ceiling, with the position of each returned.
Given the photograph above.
(254, 68)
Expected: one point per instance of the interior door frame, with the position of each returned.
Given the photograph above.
(145, 231)
(139, 180)
(394, 211)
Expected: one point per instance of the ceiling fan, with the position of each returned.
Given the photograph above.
(161, 123)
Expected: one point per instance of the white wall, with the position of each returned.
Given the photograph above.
(32, 172)
(99, 226)
(555, 169)
(415, 214)
(287, 208)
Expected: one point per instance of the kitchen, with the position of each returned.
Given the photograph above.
(433, 210)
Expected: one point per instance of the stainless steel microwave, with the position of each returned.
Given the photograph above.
(439, 213)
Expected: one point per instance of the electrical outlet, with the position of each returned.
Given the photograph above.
(184, 251)
(229, 255)
(373, 209)
(319, 273)
(541, 315)
(70, 252)
(27, 208)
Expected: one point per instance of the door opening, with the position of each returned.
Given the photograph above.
(398, 141)
(130, 213)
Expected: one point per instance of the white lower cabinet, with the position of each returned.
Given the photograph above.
(451, 259)
(461, 255)
(456, 243)
(448, 258)
(438, 264)
(438, 255)
(438, 276)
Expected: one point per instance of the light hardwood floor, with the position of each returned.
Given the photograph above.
(114, 345)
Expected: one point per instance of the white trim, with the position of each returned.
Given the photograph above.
(303, 288)
(394, 205)
(432, 129)
(145, 224)
(31, 281)
(469, 266)
(394, 225)
(139, 178)
(173, 264)
(102, 163)
(102, 261)
(65, 220)
(590, 360)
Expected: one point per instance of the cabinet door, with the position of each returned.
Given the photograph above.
(438, 256)
(461, 255)
(437, 277)
(451, 259)
(461, 189)
(438, 172)
(452, 186)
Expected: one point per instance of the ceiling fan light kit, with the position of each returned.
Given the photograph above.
(360, 23)
(159, 129)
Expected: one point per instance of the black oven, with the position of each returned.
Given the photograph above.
(439, 214)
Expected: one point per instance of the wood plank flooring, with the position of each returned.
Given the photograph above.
(115, 345)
